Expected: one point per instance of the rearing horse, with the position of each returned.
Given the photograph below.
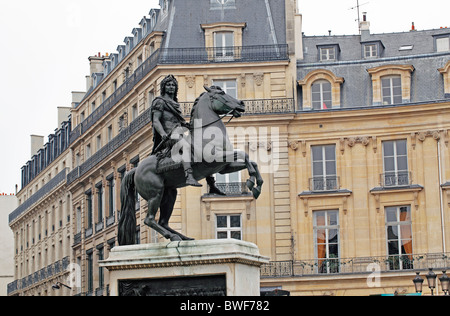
(212, 153)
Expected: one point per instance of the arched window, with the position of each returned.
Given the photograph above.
(321, 90)
(321, 95)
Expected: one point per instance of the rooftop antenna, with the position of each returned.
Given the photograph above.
(357, 8)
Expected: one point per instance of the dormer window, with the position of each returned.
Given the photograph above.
(373, 49)
(443, 43)
(328, 52)
(223, 4)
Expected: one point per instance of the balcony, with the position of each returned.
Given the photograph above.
(395, 179)
(202, 55)
(336, 266)
(233, 188)
(255, 107)
(324, 184)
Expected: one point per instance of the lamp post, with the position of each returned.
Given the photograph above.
(418, 283)
(431, 278)
(58, 285)
(445, 281)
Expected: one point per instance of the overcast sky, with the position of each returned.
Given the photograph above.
(46, 43)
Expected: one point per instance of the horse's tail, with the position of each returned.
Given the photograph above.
(127, 221)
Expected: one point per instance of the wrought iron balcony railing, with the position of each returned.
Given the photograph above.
(46, 189)
(41, 275)
(355, 265)
(233, 188)
(396, 179)
(324, 184)
(255, 107)
(181, 56)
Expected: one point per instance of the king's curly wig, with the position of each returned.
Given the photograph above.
(167, 79)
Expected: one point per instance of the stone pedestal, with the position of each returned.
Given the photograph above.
(186, 268)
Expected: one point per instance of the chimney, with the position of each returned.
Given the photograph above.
(77, 96)
(364, 27)
(63, 115)
(96, 66)
(37, 142)
(413, 27)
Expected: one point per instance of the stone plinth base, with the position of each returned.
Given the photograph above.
(186, 268)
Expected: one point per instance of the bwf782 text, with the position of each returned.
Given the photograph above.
(246, 306)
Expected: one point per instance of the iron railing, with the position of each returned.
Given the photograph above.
(41, 275)
(355, 265)
(181, 56)
(255, 107)
(46, 189)
(396, 179)
(323, 184)
(233, 188)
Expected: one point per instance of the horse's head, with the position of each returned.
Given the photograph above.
(222, 103)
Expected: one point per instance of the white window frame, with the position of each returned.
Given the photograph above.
(396, 171)
(228, 85)
(225, 49)
(322, 92)
(228, 229)
(443, 44)
(327, 53)
(370, 50)
(327, 229)
(391, 96)
(324, 178)
(398, 224)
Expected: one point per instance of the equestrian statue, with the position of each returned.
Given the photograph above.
(183, 153)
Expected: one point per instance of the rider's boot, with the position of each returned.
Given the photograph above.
(213, 189)
(190, 180)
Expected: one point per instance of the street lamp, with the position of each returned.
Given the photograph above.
(418, 283)
(58, 285)
(431, 278)
(445, 281)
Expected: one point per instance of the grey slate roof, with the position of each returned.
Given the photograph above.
(427, 83)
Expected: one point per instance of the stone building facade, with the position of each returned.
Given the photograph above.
(351, 133)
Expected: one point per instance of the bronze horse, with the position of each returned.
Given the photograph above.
(211, 155)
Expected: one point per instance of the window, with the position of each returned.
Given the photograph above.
(327, 54)
(100, 203)
(88, 151)
(101, 276)
(134, 112)
(391, 89)
(222, 4)
(395, 160)
(399, 237)
(370, 51)
(89, 209)
(78, 221)
(229, 86)
(324, 168)
(223, 45)
(110, 133)
(321, 95)
(90, 272)
(391, 84)
(99, 143)
(326, 241)
(229, 227)
(443, 44)
(112, 197)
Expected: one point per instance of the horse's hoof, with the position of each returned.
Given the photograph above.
(175, 238)
(256, 193)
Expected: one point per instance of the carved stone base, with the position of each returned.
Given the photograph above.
(186, 268)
